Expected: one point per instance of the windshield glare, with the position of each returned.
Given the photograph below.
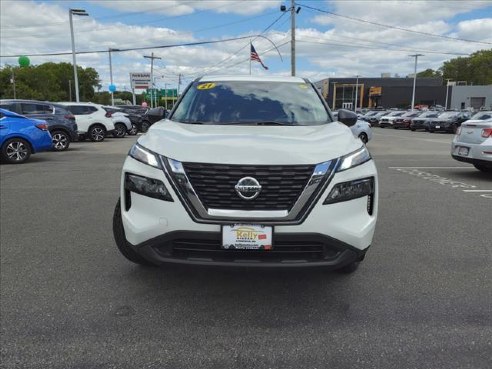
(448, 114)
(251, 102)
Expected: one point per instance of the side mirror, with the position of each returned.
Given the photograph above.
(347, 117)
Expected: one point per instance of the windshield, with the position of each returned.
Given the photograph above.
(429, 114)
(482, 115)
(395, 114)
(412, 114)
(448, 114)
(251, 102)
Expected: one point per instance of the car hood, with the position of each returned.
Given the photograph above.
(236, 144)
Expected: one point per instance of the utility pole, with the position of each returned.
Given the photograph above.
(151, 57)
(293, 12)
(293, 38)
(416, 56)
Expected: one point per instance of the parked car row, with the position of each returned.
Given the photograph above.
(66, 122)
(428, 120)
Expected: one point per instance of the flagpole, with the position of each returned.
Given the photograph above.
(250, 56)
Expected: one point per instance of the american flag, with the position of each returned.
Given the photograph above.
(256, 57)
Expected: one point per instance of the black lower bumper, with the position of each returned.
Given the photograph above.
(465, 159)
(289, 250)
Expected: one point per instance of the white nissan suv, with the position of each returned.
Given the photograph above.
(248, 171)
(93, 121)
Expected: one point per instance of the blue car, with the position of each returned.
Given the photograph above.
(20, 137)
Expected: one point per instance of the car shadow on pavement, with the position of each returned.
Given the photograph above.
(248, 297)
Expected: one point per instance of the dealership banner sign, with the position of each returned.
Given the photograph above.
(140, 80)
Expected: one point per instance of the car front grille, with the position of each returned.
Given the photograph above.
(283, 251)
(281, 185)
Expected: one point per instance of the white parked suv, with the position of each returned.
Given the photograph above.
(251, 172)
(93, 121)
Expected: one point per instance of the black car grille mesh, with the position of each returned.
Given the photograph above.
(281, 185)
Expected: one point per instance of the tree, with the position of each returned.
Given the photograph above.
(48, 81)
(429, 73)
(475, 69)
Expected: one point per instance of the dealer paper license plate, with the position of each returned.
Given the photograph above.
(247, 237)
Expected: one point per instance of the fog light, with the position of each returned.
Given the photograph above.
(147, 186)
(351, 190)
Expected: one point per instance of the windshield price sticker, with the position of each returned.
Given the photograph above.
(206, 86)
(246, 237)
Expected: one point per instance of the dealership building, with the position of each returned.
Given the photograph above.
(393, 92)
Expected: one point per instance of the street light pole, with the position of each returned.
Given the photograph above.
(81, 12)
(447, 90)
(356, 92)
(416, 56)
(111, 73)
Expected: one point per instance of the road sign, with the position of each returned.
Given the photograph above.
(140, 80)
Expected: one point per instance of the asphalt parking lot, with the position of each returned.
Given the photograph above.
(421, 299)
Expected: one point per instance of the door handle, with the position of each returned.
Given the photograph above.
(2, 126)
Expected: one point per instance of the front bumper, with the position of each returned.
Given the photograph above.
(289, 250)
(444, 127)
(342, 231)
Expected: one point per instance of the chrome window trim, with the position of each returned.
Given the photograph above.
(310, 195)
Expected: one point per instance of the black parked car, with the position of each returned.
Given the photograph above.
(448, 121)
(422, 121)
(61, 123)
(152, 116)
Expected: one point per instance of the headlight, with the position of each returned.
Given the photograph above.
(145, 156)
(353, 159)
(147, 186)
(351, 190)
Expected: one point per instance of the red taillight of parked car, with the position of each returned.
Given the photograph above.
(108, 114)
(42, 126)
(70, 116)
(487, 132)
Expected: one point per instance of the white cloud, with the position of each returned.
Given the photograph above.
(344, 48)
(181, 7)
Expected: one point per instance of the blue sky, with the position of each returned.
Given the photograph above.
(327, 46)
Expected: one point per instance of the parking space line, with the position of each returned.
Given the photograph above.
(477, 190)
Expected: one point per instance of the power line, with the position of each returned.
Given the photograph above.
(197, 43)
(245, 46)
(365, 46)
(395, 27)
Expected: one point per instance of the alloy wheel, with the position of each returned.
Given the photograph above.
(60, 141)
(16, 151)
(97, 134)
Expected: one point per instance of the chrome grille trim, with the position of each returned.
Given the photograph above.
(320, 177)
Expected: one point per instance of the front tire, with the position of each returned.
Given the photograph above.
(363, 138)
(120, 130)
(133, 131)
(16, 151)
(122, 243)
(61, 140)
(97, 133)
(145, 126)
